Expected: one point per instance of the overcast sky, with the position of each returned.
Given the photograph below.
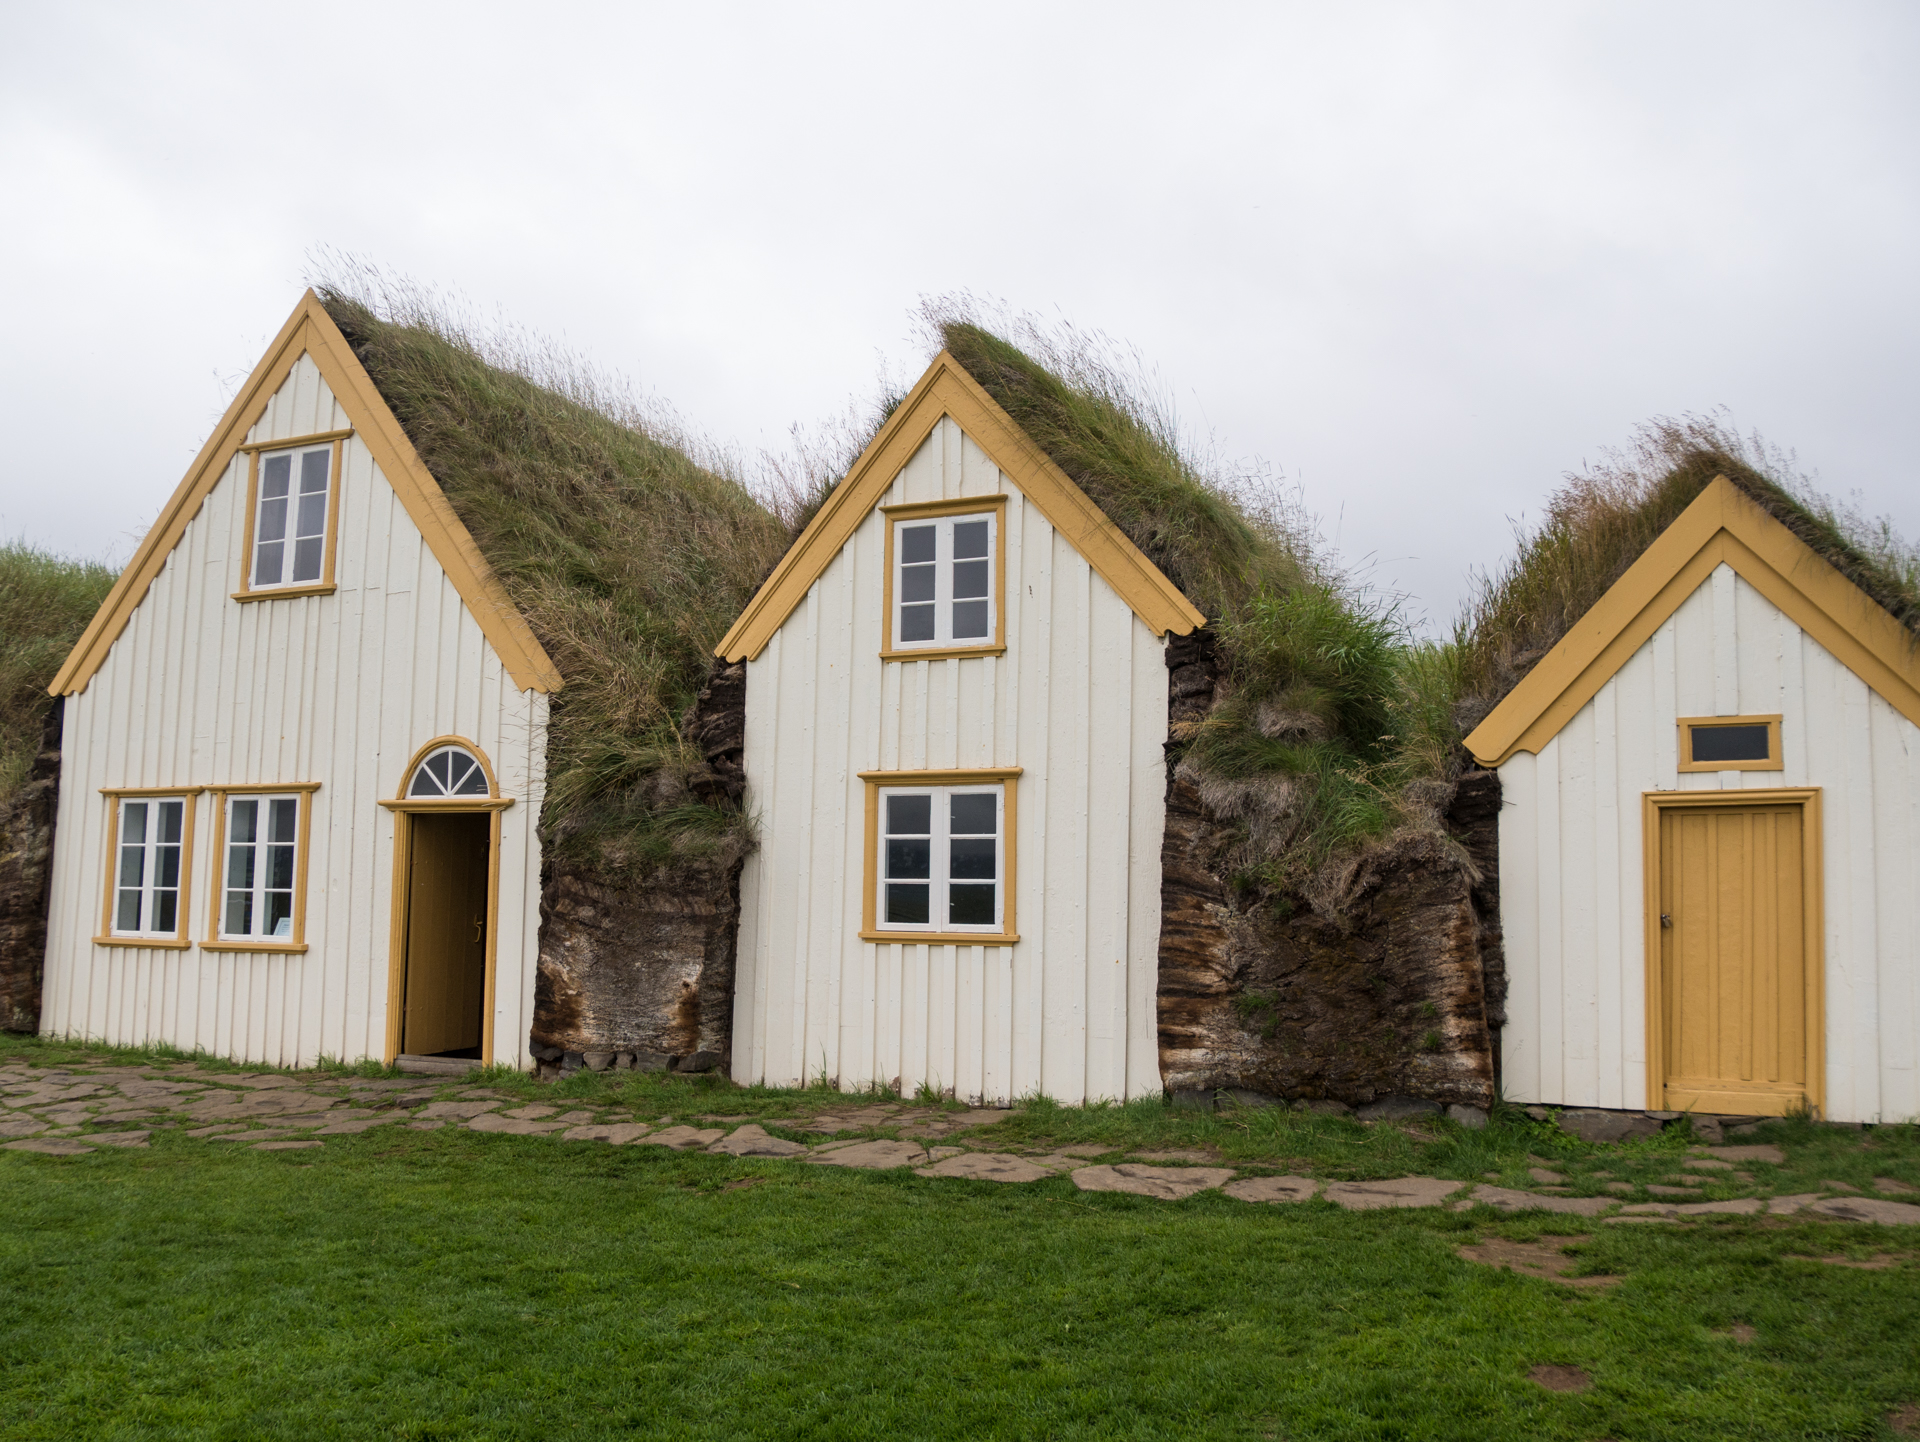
(1420, 259)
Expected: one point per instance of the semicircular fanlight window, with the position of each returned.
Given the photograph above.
(449, 771)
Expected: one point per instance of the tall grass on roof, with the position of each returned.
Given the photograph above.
(46, 601)
(1334, 731)
(628, 546)
(1603, 518)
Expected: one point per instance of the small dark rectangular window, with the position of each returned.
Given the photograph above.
(1730, 743)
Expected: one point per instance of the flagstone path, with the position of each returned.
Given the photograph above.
(74, 1110)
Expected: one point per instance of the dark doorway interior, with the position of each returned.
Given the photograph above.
(447, 935)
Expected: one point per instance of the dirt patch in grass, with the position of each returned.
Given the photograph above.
(1556, 1378)
(1546, 1260)
(1906, 1421)
(1739, 1332)
(1878, 1262)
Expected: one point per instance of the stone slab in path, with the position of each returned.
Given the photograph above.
(987, 1167)
(488, 1122)
(287, 1146)
(614, 1134)
(878, 1156)
(752, 1141)
(119, 1139)
(52, 1147)
(1739, 1207)
(1169, 1183)
(1397, 1192)
(1863, 1209)
(683, 1138)
(1767, 1153)
(21, 1125)
(458, 1109)
(1273, 1189)
(1506, 1199)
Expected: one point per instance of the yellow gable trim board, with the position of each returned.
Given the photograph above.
(311, 331)
(947, 390)
(1721, 527)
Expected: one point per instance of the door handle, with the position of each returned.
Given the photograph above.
(479, 928)
(1665, 919)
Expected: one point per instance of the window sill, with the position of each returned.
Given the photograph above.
(943, 938)
(150, 943)
(941, 653)
(280, 593)
(289, 948)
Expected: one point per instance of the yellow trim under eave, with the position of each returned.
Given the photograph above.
(311, 331)
(1721, 527)
(947, 390)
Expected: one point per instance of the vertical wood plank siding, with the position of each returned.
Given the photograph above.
(1571, 889)
(340, 689)
(1079, 701)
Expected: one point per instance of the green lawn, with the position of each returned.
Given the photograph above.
(402, 1284)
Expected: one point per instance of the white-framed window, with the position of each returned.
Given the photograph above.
(259, 868)
(291, 514)
(944, 573)
(149, 866)
(449, 771)
(942, 858)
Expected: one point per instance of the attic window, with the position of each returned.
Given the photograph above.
(451, 771)
(291, 517)
(945, 573)
(1730, 743)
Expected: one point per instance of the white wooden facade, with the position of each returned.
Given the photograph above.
(1079, 702)
(1571, 883)
(340, 690)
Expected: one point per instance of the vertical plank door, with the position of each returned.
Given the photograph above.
(1734, 963)
(446, 933)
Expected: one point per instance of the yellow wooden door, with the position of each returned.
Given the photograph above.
(1734, 958)
(446, 933)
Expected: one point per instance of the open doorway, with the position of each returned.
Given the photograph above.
(446, 935)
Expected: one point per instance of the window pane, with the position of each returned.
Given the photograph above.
(170, 814)
(970, 905)
(275, 473)
(1730, 743)
(311, 519)
(281, 819)
(907, 904)
(313, 472)
(166, 909)
(133, 824)
(280, 866)
(916, 582)
(969, 578)
(424, 784)
(975, 814)
(969, 619)
(240, 866)
(279, 914)
(475, 783)
(916, 543)
(242, 820)
(273, 520)
(239, 919)
(969, 539)
(166, 866)
(972, 860)
(126, 916)
(909, 815)
(271, 560)
(306, 559)
(909, 859)
(916, 623)
(440, 767)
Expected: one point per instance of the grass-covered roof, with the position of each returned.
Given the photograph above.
(628, 555)
(1602, 519)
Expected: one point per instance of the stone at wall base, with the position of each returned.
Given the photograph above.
(1324, 1105)
(597, 1060)
(1591, 1124)
(1242, 1097)
(1192, 1099)
(1472, 1118)
(700, 1061)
